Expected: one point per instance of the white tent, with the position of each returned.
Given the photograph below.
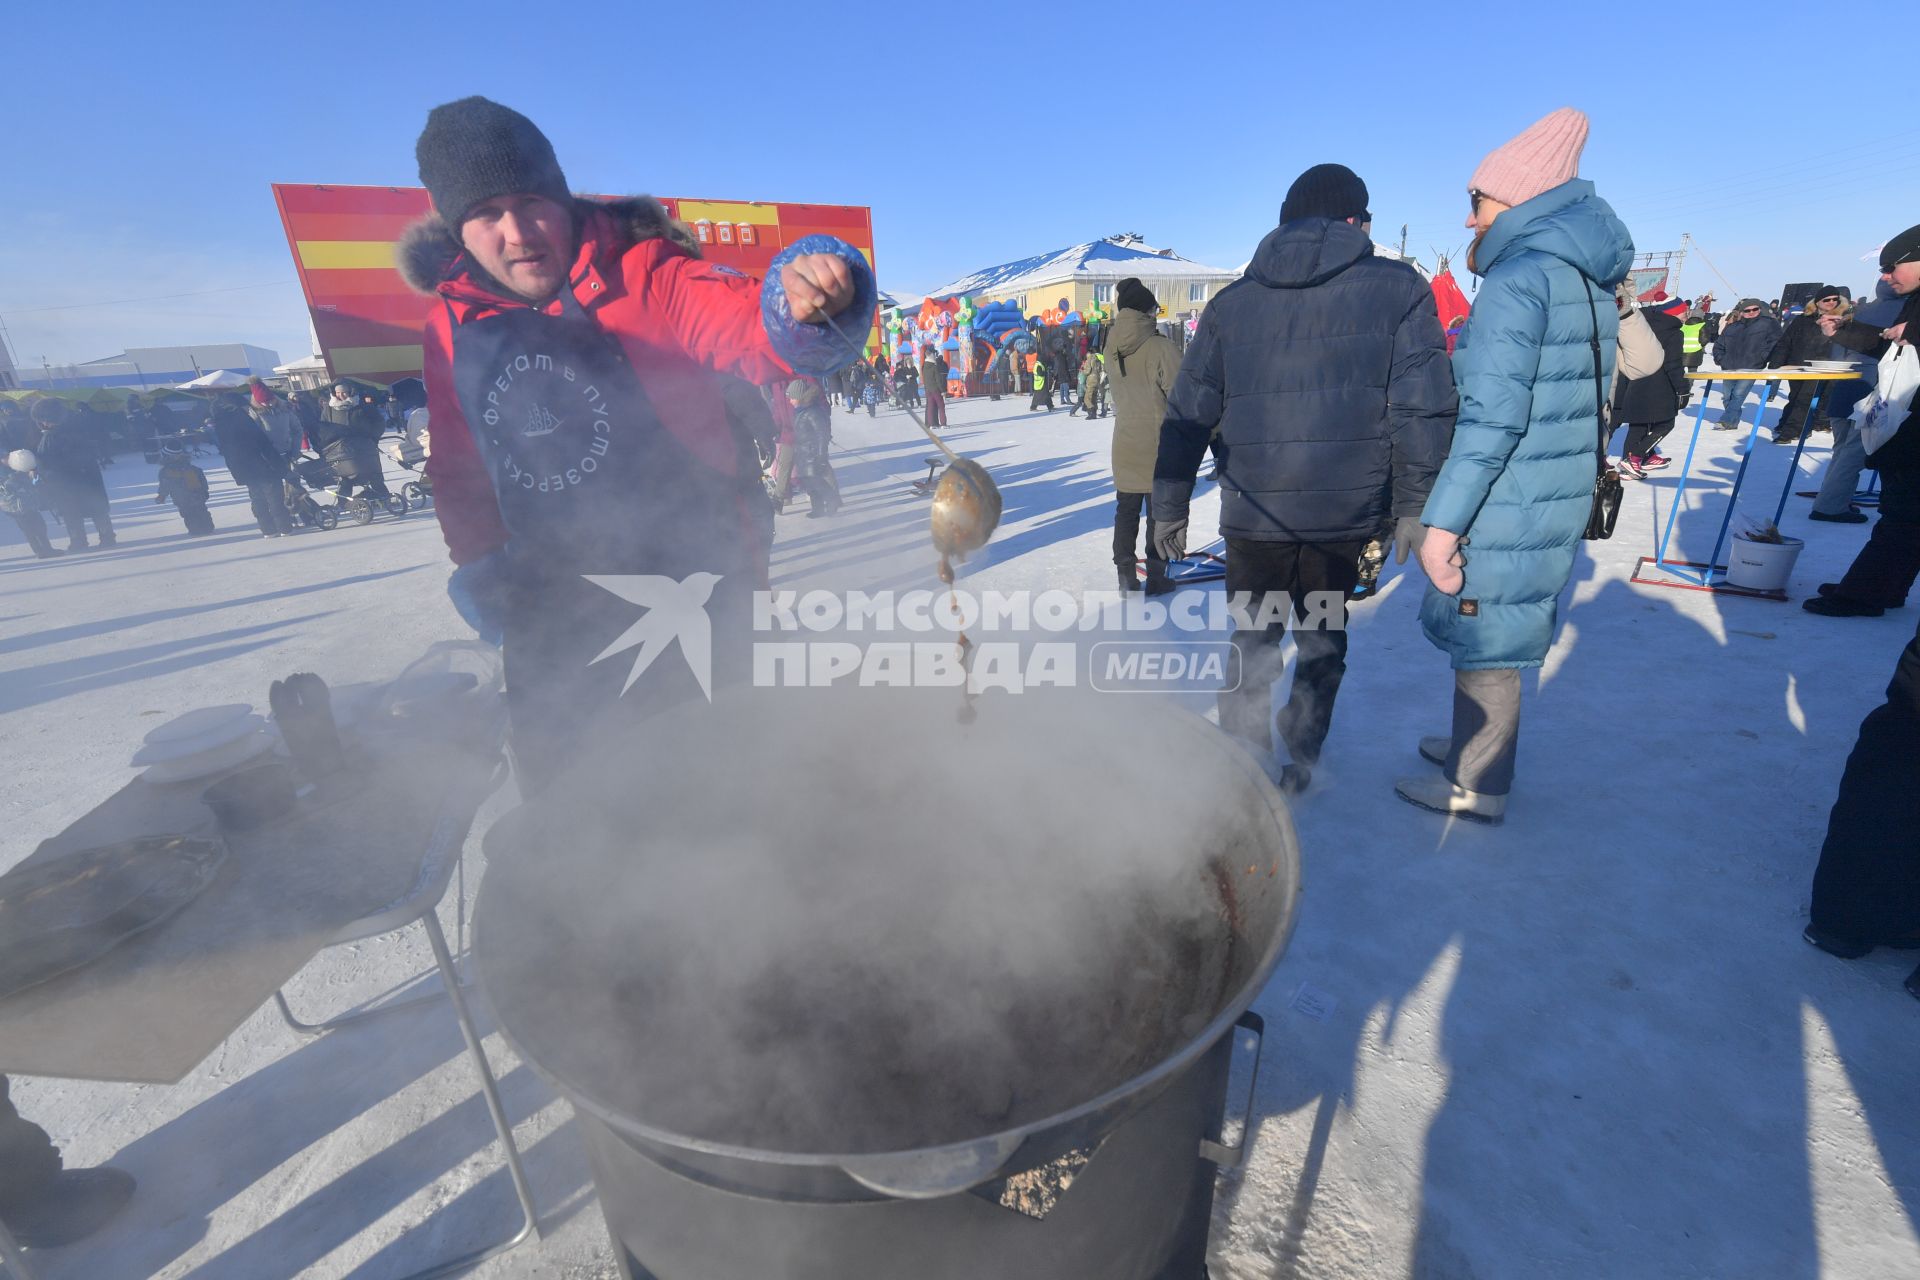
(218, 380)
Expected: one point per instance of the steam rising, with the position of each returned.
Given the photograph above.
(840, 921)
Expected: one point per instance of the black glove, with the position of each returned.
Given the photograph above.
(1407, 533)
(1170, 539)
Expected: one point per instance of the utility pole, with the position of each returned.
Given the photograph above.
(1403, 240)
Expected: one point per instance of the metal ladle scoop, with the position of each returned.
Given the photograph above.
(966, 502)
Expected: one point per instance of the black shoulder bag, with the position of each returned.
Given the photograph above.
(1607, 489)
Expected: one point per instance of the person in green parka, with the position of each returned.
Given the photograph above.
(1507, 511)
(1141, 376)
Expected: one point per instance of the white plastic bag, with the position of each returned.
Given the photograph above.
(1882, 412)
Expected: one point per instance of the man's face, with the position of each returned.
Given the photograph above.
(1828, 306)
(1905, 277)
(524, 241)
(1750, 313)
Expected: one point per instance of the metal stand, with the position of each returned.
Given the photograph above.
(1696, 575)
(13, 1257)
(420, 905)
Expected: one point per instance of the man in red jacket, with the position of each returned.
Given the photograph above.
(582, 457)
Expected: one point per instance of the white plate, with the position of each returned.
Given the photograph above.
(207, 763)
(1831, 366)
(181, 748)
(195, 723)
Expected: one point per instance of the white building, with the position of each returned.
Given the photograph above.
(152, 367)
(1085, 274)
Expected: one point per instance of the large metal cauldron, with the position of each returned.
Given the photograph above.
(841, 987)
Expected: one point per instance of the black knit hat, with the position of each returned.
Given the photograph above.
(1326, 191)
(1904, 247)
(1134, 296)
(1833, 291)
(49, 412)
(474, 150)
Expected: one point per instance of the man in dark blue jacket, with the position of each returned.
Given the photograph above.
(1325, 370)
(1745, 342)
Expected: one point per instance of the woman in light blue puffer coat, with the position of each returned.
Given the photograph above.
(1512, 500)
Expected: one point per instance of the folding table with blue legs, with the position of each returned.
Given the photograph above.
(1694, 575)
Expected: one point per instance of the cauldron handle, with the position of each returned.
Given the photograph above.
(1221, 1154)
(934, 1173)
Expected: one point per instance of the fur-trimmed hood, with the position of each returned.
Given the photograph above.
(427, 253)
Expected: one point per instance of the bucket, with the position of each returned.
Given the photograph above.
(1762, 566)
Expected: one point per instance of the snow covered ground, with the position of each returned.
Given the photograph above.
(1589, 1043)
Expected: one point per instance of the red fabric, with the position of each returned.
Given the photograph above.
(261, 396)
(1448, 299)
(679, 320)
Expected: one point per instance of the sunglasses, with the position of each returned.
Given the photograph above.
(1751, 311)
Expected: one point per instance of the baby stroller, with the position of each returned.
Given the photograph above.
(320, 476)
(305, 509)
(309, 472)
(409, 449)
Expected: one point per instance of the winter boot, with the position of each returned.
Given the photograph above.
(1293, 779)
(1129, 580)
(1434, 749)
(1839, 606)
(1835, 944)
(1159, 584)
(1441, 796)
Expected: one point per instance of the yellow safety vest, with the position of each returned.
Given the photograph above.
(1690, 337)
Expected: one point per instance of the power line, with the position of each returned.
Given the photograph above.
(1695, 240)
(158, 297)
(1723, 197)
(1804, 168)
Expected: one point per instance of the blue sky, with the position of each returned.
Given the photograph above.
(140, 149)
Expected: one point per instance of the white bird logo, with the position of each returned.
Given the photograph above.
(674, 611)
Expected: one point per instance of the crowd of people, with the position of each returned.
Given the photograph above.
(54, 452)
(1341, 417)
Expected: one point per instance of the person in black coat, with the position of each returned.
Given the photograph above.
(1884, 571)
(1325, 370)
(254, 464)
(1649, 405)
(1743, 344)
(349, 441)
(70, 472)
(1866, 888)
(1801, 341)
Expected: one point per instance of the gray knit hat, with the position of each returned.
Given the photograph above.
(474, 150)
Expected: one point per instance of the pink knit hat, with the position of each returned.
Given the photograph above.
(1540, 159)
